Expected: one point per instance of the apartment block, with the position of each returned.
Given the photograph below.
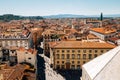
(73, 54)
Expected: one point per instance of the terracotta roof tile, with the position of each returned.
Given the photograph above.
(80, 44)
(103, 30)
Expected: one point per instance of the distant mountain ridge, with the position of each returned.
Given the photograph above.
(9, 17)
(65, 16)
(79, 16)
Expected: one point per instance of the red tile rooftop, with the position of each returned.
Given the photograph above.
(12, 73)
(114, 39)
(91, 36)
(80, 44)
(14, 35)
(103, 30)
(32, 51)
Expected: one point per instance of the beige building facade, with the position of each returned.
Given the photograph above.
(73, 54)
(27, 55)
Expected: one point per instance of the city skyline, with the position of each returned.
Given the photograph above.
(54, 7)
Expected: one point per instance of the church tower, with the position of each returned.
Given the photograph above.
(101, 16)
(101, 19)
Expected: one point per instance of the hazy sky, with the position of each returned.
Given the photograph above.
(52, 7)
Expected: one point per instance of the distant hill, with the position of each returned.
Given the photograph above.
(65, 16)
(112, 15)
(79, 16)
(9, 17)
(105, 15)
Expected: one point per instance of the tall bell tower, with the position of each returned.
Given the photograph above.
(101, 19)
(101, 16)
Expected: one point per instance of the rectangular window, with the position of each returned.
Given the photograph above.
(58, 51)
(63, 56)
(63, 51)
(29, 58)
(78, 66)
(73, 51)
(57, 66)
(62, 66)
(96, 51)
(63, 62)
(95, 55)
(90, 56)
(84, 56)
(90, 51)
(0, 44)
(84, 62)
(57, 62)
(68, 56)
(57, 56)
(78, 51)
(68, 51)
(78, 62)
(72, 62)
(73, 56)
(101, 51)
(72, 66)
(78, 56)
(84, 51)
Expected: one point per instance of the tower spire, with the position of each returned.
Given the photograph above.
(101, 16)
(101, 19)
